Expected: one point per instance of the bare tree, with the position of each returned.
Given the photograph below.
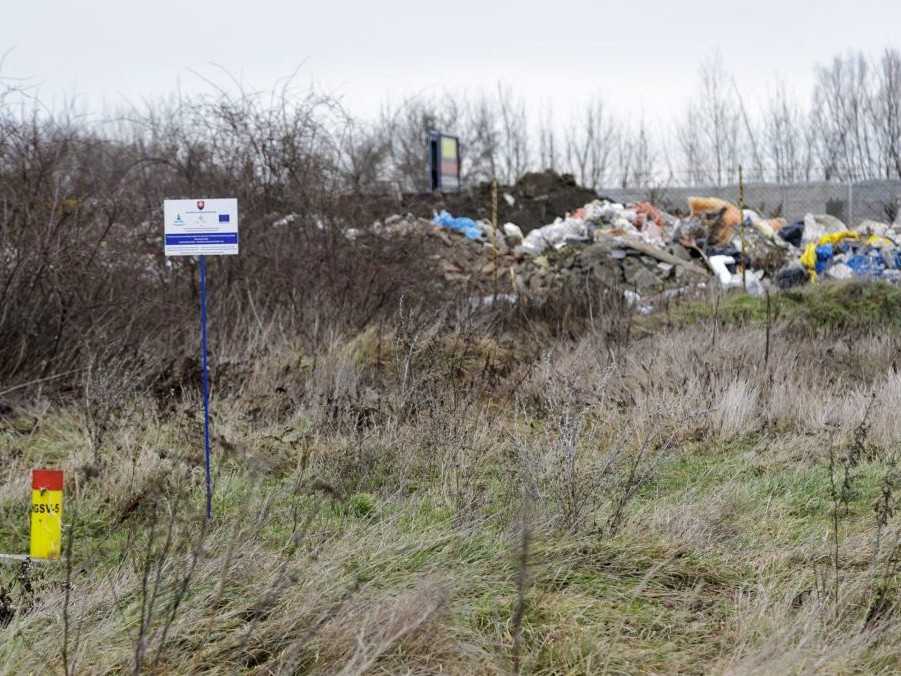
(637, 158)
(514, 150)
(691, 147)
(362, 156)
(886, 112)
(710, 135)
(752, 132)
(590, 144)
(787, 139)
(842, 119)
(547, 139)
(483, 140)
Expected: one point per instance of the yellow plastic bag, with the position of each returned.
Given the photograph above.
(834, 238)
(809, 257)
(880, 242)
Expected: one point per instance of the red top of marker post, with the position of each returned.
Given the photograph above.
(47, 479)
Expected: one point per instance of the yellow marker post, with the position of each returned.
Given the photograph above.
(46, 513)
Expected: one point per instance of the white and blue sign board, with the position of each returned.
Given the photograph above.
(201, 227)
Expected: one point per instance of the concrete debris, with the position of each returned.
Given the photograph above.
(558, 234)
(643, 250)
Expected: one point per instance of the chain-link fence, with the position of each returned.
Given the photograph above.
(851, 203)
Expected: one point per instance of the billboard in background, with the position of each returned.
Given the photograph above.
(444, 162)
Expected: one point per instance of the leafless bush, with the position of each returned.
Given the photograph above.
(582, 469)
(81, 204)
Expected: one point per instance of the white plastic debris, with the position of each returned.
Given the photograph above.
(290, 218)
(753, 283)
(603, 212)
(488, 301)
(869, 227)
(839, 271)
(718, 264)
(556, 235)
(817, 226)
(513, 232)
(752, 278)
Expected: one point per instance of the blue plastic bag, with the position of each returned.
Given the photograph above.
(824, 254)
(867, 266)
(464, 225)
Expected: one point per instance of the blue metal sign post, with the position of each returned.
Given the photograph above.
(200, 228)
(205, 385)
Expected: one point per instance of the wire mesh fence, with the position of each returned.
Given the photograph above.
(850, 202)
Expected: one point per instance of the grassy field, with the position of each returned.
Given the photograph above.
(712, 494)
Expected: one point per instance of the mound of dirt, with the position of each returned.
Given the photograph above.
(536, 200)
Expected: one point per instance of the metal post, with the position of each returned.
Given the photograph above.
(496, 237)
(850, 223)
(205, 380)
(741, 227)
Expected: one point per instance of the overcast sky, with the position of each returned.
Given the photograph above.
(642, 55)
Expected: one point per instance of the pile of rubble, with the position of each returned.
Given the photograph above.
(648, 252)
(459, 251)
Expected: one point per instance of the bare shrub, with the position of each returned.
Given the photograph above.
(804, 637)
(380, 627)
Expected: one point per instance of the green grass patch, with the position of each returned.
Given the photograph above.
(827, 306)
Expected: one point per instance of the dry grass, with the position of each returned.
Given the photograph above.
(689, 509)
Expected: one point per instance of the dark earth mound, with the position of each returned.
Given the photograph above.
(537, 199)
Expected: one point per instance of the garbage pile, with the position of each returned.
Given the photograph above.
(649, 253)
(830, 250)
